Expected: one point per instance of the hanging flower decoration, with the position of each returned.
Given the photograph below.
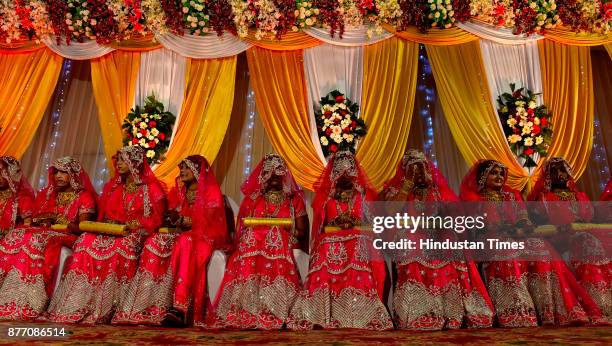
(526, 124)
(305, 15)
(535, 16)
(195, 18)
(149, 127)
(495, 12)
(24, 19)
(586, 15)
(270, 18)
(338, 126)
(130, 18)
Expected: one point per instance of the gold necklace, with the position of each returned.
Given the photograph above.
(275, 197)
(191, 195)
(5, 195)
(65, 198)
(346, 196)
(494, 196)
(131, 187)
(565, 195)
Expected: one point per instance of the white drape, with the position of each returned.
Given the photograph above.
(204, 47)
(75, 50)
(328, 67)
(498, 35)
(505, 64)
(162, 72)
(352, 36)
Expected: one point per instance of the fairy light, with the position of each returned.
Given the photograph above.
(248, 134)
(58, 106)
(600, 155)
(429, 95)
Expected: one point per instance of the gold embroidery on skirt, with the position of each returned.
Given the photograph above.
(601, 293)
(512, 302)
(548, 300)
(26, 296)
(351, 308)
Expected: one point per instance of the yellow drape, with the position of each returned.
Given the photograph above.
(389, 85)
(289, 41)
(113, 78)
(206, 111)
(28, 81)
(567, 82)
(464, 94)
(438, 37)
(608, 47)
(568, 36)
(280, 94)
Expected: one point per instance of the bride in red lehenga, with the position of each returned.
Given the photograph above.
(16, 197)
(172, 266)
(563, 204)
(433, 294)
(16, 201)
(97, 278)
(524, 293)
(261, 279)
(32, 253)
(346, 278)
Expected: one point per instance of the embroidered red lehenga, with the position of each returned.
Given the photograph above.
(16, 196)
(172, 269)
(32, 253)
(524, 293)
(97, 278)
(16, 201)
(346, 278)
(433, 294)
(589, 250)
(261, 279)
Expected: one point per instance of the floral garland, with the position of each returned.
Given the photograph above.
(526, 125)
(112, 20)
(149, 127)
(338, 126)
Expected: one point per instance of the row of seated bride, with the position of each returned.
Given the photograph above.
(139, 255)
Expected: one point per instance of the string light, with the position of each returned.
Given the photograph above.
(429, 95)
(58, 106)
(248, 134)
(600, 155)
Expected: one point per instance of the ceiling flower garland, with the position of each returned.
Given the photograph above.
(114, 20)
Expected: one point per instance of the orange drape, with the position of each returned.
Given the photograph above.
(289, 41)
(438, 37)
(27, 83)
(113, 78)
(280, 94)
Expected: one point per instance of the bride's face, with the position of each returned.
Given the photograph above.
(495, 179)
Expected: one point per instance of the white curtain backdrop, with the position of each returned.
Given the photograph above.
(77, 51)
(352, 36)
(162, 72)
(505, 64)
(328, 67)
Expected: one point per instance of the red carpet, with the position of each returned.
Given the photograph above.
(110, 335)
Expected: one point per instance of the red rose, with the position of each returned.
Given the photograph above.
(143, 132)
(536, 130)
(353, 124)
(516, 94)
(336, 121)
(134, 140)
(333, 148)
(161, 136)
(528, 151)
(328, 132)
(347, 129)
(328, 113)
(530, 111)
(543, 122)
(516, 130)
(151, 144)
(339, 99)
(152, 123)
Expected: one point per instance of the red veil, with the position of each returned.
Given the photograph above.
(474, 181)
(544, 182)
(208, 216)
(254, 186)
(341, 163)
(10, 169)
(134, 157)
(79, 181)
(439, 182)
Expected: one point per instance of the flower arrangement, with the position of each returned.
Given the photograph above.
(305, 15)
(149, 127)
(441, 13)
(23, 19)
(586, 15)
(194, 16)
(337, 123)
(526, 124)
(495, 12)
(129, 16)
(534, 16)
(268, 17)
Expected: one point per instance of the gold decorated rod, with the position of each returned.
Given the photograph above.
(103, 228)
(267, 221)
